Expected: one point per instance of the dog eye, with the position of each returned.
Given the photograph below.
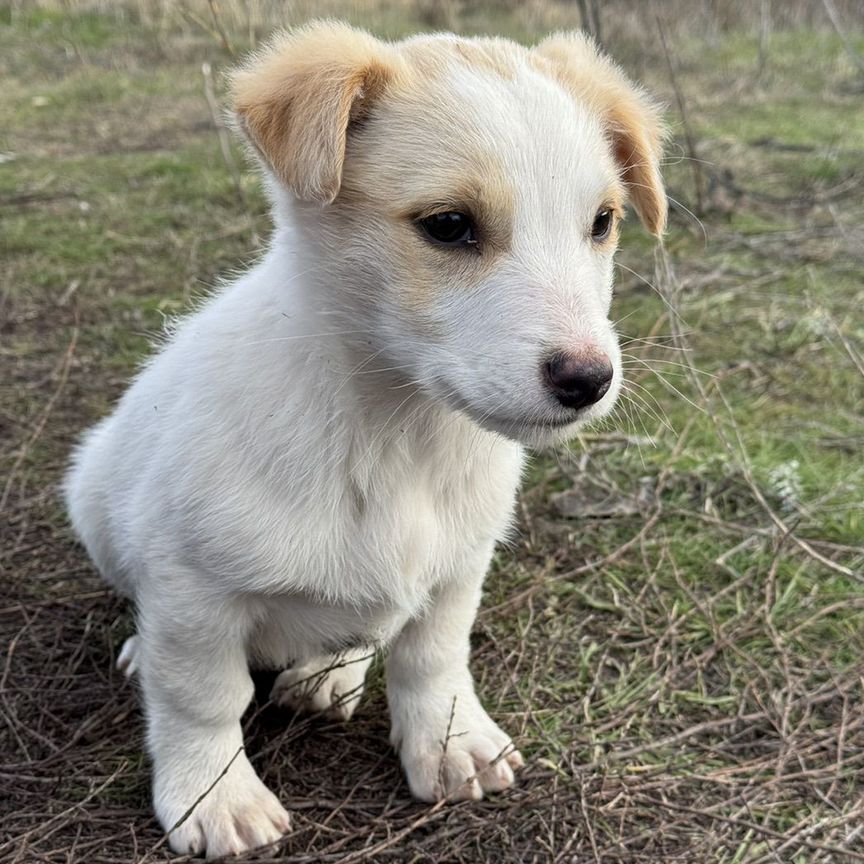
(602, 225)
(449, 229)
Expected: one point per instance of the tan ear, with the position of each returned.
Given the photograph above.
(632, 119)
(296, 98)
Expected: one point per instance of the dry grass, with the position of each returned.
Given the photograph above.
(676, 636)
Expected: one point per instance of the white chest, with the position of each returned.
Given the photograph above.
(360, 576)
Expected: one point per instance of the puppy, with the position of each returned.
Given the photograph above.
(320, 460)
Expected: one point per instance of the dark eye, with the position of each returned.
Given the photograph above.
(449, 229)
(602, 225)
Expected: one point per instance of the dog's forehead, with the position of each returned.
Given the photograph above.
(486, 106)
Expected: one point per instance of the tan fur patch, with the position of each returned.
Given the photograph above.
(297, 96)
(478, 188)
(431, 55)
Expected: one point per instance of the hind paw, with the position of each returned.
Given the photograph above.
(127, 660)
(331, 686)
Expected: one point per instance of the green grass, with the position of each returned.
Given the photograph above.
(118, 212)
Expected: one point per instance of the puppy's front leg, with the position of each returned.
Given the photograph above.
(196, 686)
(447, 742)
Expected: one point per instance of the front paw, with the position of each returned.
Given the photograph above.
(458, 753)
(237, 814)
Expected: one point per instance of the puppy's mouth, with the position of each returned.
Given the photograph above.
(501, 422)
(529, 429)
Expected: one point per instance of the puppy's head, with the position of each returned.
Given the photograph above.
(466, 194)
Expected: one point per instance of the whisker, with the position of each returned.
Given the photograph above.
(629, 340)
(303, 336)
(647, 362)
(654, 288)
(662, 417)
(672, 388)
(693, 216)
(356, 370)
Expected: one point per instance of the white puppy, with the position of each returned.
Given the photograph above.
(320, 460)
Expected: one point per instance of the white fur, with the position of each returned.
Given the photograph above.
(302, 471)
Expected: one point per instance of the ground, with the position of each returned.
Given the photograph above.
(675, 635)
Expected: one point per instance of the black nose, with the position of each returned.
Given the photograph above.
(578, 380)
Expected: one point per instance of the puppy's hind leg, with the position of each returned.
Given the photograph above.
(127, 659)
(331, 685)
(86, 490)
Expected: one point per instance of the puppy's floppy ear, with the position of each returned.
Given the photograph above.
(296, 98)
(631, 118)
